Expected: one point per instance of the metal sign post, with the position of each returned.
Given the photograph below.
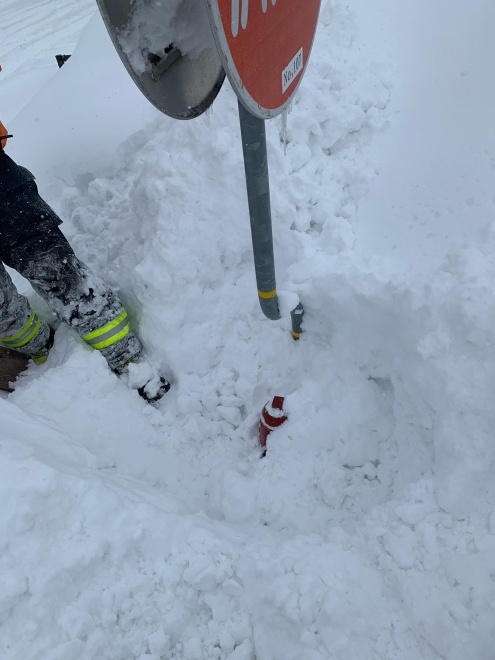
(258, 192)
(264, 46)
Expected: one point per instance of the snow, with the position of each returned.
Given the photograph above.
(368, 529)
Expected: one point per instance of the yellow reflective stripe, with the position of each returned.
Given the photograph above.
(23, 337)
(112, 340)
(108, 334)
(268, 294)
(32, 334)
(94, 334)
(24, 329)
(296, 335)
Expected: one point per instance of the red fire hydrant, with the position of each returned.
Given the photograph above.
(272, 416)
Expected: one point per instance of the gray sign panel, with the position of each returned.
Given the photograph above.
(179, 76)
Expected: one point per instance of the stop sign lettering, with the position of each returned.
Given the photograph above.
(240, 13)
(264, 46)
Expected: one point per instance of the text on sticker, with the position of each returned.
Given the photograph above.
(292, 70)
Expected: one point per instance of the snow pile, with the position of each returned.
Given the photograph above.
(368, 530)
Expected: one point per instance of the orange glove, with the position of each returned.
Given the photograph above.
(3, 131)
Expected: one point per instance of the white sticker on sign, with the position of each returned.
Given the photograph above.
(292, 70)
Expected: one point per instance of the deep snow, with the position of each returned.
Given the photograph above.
(368, 530)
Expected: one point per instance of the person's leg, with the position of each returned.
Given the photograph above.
(38, 250)
(86, 303)
(20, 328)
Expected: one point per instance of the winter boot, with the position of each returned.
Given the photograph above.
(140, 375)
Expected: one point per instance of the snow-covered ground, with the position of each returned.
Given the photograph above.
(368, 530)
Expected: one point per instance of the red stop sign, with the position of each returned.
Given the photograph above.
(264, 46)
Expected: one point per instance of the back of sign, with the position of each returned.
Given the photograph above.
(169, 52)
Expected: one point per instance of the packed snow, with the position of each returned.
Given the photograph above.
(132, 532)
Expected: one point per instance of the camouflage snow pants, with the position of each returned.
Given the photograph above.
(32, 244)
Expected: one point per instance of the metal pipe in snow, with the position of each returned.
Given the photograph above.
(258, 191)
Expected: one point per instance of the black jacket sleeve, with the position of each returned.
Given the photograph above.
(11, 174)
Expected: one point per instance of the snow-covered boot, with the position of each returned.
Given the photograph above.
(140, 375)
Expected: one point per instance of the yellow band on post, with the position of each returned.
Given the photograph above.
(268, 294)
